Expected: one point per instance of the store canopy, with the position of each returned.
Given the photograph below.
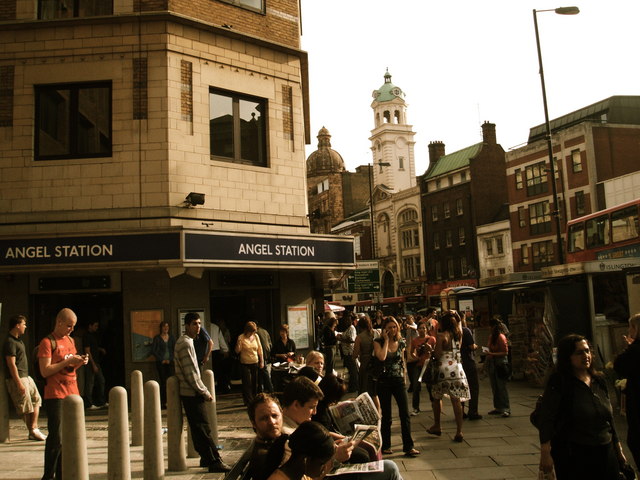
(329, 307)
(523, 285)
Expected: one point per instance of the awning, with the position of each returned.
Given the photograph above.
(523, 285)
(388, 300)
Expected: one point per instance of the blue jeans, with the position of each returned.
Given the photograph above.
(53, 445)
(498, 386)
(388, 387)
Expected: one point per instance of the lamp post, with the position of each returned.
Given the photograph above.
(373, 229)
(552, 168)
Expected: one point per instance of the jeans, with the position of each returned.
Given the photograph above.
(352, 368)
(264, 380)
(471, 372)
(413, 371)
(249, 381)
(196, 412)
(498, 386)
(388, 387)
(94, 386)
(53, 445)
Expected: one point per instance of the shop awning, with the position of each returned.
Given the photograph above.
(388, 300)
(523, 285)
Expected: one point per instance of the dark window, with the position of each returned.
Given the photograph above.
(459, 207)
(446, 210)
(461, 236)
(448, 238)
(536, 176)
(257, 5)
(237, 128)
(436, 241)
(499, 246)
(73, 121)
(488, 245)
(576, 161)
(542, 253)
(49, 9)
(434, 213)
(580, 210)
(438, 269)
(539, 218)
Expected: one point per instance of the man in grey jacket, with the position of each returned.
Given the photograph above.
(193, 394)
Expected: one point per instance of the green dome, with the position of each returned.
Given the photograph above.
(388, 91)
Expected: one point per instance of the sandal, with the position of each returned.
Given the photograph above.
(412, 453)
(433, 431)
(387, 451)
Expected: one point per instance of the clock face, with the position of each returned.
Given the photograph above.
(396, 91)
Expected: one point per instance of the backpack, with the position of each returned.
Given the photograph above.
(37, 374)
(533, 418)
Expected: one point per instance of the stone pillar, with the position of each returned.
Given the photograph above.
(137, 408)
(4, 410)
(175, 431)
(209, 382)
(75, 463)
(118, 456)
(153, 452)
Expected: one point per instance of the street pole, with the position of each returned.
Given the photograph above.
(373, 234)
(552, 168)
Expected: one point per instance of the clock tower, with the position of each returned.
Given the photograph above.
(391, 139)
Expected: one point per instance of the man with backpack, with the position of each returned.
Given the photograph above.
(58, 362)
(22, 389)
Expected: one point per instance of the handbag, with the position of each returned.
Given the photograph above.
(503, 370)
(430, 372)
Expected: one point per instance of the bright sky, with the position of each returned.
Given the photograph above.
(460, 63)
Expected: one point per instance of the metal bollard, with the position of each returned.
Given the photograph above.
(175, 432)
(75, 462)
(153, 452)
(212, 412)
(137, 408)
(118, 455)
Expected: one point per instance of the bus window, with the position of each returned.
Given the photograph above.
(576, 237)
(624, 224)
(598, 231)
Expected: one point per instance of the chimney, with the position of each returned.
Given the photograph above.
(436, 150)
(489, 133)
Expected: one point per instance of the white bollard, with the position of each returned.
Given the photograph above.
(118, 456)
(75, 462)
(212, 412)
(137, 408)
(175, 431)
(191, 449)
(4, 412)
(153, 452)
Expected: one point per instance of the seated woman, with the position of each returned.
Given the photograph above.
(315, 360)
(283, 348)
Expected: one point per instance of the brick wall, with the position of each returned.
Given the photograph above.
(8, 9)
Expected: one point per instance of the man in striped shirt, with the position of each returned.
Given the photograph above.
(194, 394)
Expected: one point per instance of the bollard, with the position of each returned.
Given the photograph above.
(118, 457)
(212, 412)
(75, 463)
(175, 432)
(137, 408)
(191, 449)
(4, 412)
(153, 452)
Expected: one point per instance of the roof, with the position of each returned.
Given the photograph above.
(388, 91)
(453, 161)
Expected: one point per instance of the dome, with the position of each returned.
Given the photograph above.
(388, 91)
(324, 160)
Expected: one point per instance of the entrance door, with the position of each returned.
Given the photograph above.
(106, 307)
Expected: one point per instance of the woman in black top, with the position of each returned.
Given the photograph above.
(627, 365)
(577, 437)
(284, 348)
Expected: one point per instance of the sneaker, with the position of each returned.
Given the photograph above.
(94, 407)
(219, 466)
(506, 414)
(414, 413)
(37, 435)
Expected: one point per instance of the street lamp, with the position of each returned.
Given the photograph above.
(373, 229)
(552, 168)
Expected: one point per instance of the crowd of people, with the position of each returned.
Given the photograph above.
(296, 437)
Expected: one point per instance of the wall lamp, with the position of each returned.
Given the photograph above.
(194, 199)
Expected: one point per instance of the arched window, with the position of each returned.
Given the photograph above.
(387, 116)
(396, 117)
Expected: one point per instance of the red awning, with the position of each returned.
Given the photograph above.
(364, 303)
(386, 301)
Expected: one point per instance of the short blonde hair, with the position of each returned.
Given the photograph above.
(312, 355)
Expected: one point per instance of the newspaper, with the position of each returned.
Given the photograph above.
(361, 410)
(357, 468)
(369, 434)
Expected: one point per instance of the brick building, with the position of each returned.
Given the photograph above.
(152, 163)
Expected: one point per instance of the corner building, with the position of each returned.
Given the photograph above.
(152, 163)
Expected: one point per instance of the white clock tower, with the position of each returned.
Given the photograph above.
(391, 139)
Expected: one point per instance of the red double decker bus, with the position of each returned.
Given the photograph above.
(607, 234)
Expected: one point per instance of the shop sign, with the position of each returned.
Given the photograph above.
(509, 278)
(562, 270)
(90, 249)
(410, 289)
(611, 265)
(275, 250)
(628, 251)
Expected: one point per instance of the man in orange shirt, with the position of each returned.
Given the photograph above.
(58, 361)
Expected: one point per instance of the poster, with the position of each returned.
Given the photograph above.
(145, 324)
(298, 320)
(183, 311)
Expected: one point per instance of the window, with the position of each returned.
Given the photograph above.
(446, 210)
(518, 175)
(434, 213)
(448, 240)
(524, 254)
(502, 271)
(624, 224)
(410, 238)
(464, 271)
(438, 269)
(459, 207)
(400, 163)
(450, 270)
(411, 266)
(73, 121)
(576, 161)
(257, 5)
(522, 219)
(438, 184)
(488, 246)
(539, 218)
(237, 128)
(436, 241)
(597, 231)
(461, 236)
(323, 186)
(491, 272)
(580, 210)
(50, 9)
(536, 176)
(499, 246)
(576, 237)
(463, 176)
(542, 253)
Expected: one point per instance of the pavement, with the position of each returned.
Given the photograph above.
(493, 447)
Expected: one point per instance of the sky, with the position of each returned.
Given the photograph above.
(461, 63)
